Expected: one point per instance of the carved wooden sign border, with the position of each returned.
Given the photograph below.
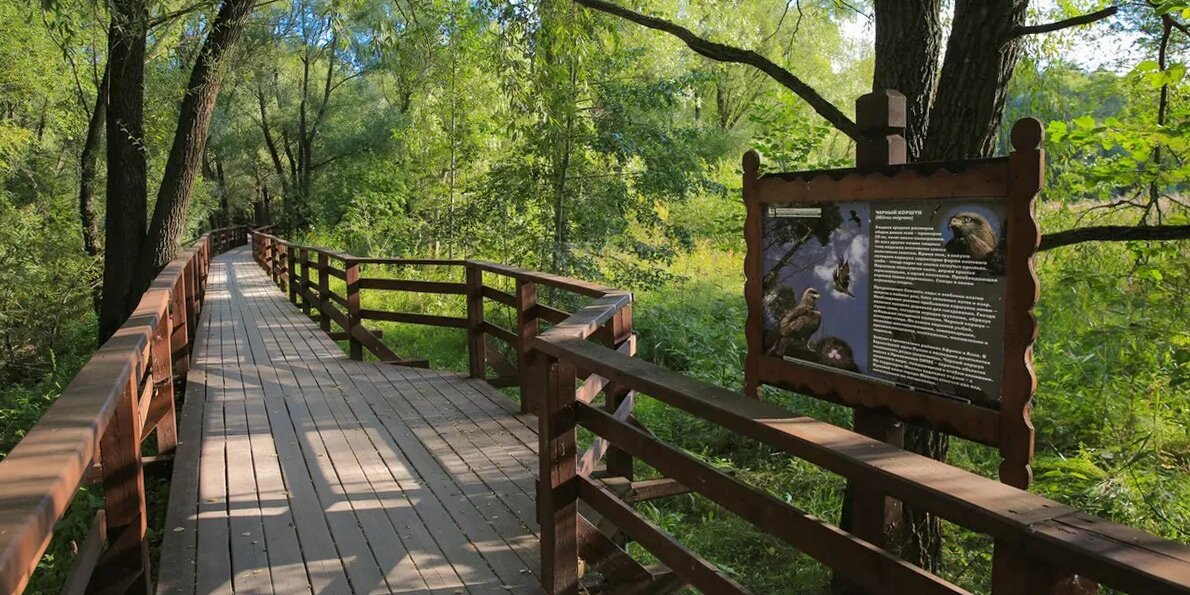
(894, 203)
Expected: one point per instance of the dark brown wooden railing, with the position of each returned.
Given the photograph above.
(1041, 546)
(95, 430)
(562, 362)
(305, 273)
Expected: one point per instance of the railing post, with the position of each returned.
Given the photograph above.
(558, 488)
(189, 312)
(289, 268)
(869, 514)
(125, 565)
(324, 291)
(304, 256)
(1014, 571)
(526, 324)
(619, 463)
(351, 270)
(475, 351)
(273, 267)
(163, 382)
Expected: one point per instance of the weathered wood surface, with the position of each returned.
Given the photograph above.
(302, 471)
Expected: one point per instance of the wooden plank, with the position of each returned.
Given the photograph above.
(83, 564)
(213, 568)
(411, 318)
(179, 545)
(476, 351)
(702, 574)
(278, 537)
(532, 389)
(427, 511)
(496, 295)
(414, 286)
(330, 540)
(499, 332)
(409, 261)
(865, 564)
(963, 497)
(643, 490)
(464, 495)
(600, 446)
(125, 564)
(558, 495)
(549, 314)
(249, 560)
(360, 336)
(565, 283)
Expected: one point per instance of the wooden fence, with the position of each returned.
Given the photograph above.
(94, 432)
(561, 362)
(1041, 546)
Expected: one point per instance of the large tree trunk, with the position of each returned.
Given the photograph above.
(190, 139)
(89, 170)
(981, 54)
(126, 170)
(963, 123)
(908, 44)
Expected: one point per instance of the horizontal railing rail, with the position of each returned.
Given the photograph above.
(1041, 546)
(305, 273)
(95, 429)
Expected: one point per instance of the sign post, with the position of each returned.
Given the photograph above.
(904, 291)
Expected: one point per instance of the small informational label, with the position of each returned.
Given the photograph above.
(903, 292)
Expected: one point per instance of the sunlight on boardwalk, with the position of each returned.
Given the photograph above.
(303, 471)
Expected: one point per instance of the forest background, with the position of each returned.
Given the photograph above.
(550, 136)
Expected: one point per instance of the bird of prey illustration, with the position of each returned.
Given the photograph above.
(842, 277)
(855, 217)
(973, 236)
(799, 324)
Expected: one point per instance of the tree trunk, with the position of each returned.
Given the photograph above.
(190, 139)
(981, 53)
(980, 56)
(124, 229)
(89, 171)
(908, 44)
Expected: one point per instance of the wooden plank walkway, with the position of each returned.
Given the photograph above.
(302, 471)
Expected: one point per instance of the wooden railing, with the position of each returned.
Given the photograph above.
(562, 362)
(307, 273)
(95, 430)
(1041, 546)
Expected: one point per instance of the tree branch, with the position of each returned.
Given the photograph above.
(1113, 233)
(1082, 19)
(726, 53)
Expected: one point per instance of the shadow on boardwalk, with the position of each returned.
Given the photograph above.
(302, 471)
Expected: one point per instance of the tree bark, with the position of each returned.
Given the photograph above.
(124, 229)
(908, 44)
(981, 54)
(89, 170)
(963, 123)
(182, 166)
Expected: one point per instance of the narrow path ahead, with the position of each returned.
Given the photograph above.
(302, 471)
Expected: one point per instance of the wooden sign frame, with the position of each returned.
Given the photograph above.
(1011, 181)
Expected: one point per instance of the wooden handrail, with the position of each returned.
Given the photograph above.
(42, 473)
(1052, 539)
(305, 272)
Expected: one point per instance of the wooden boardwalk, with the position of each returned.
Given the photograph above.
(302, 471)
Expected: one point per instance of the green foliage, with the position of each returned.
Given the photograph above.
(544, 135)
